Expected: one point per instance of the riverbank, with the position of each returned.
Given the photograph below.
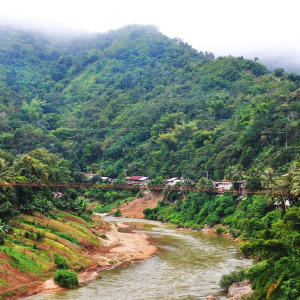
(27, 264)
(188, 265)
(135, 208)
(118, 248)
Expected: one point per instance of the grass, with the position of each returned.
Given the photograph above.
(60, 262)
(101, 209)
(30, 221)
(66, 236)
(3, 283)
(13, 292)
(66, 279)
(21, 261)
(39, 243)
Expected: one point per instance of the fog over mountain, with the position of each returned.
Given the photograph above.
(249, 29)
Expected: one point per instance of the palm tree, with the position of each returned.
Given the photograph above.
(268, 178)
(295, 173)
(236, 174)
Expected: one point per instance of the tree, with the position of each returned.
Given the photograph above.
(156, 181)
(205, 183)
(295, 173)
(31, 169)
(6, 174)
(236, 174)
(33, 110)
(283, 189)
(268, 179)
(58, 169)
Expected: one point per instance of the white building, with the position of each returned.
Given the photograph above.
(139, 180)
(223, 185)
(173, 181)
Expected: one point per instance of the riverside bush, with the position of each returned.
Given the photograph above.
(66, 279)
(60, 262)
(220, 230)
(2, 239)
(228, 279)
(118, 213)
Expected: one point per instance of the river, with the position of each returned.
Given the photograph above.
(188, 265)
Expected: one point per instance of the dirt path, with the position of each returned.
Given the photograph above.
(134, 208)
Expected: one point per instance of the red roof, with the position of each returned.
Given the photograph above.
(135, 177)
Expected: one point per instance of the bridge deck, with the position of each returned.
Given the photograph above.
(184, 188)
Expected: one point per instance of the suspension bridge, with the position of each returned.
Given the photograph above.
(109, 186)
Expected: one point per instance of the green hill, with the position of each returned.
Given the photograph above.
(135, 99)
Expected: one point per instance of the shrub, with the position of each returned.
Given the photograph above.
(220, 230)
(1, 239)
(118, 213)
(66, 236)
(147, 211)
(228, 279)
(60, 262)
(66, 279)
(39, 236)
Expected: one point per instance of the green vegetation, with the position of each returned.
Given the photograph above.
(108, 207)
(220, 230)
(60, 262)
(228, 279)
(268, 227)
(66, 279)
(107, 200)
(39, 245)
(134, 101)
(21, 261)
(66, 236)
(117, 213)
(195, 211)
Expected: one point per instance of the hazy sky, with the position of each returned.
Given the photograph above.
(268, 29)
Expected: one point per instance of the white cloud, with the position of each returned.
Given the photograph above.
(265, 28)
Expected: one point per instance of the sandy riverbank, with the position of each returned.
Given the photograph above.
(117, 248)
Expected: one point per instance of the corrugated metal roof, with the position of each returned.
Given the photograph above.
(136, 178)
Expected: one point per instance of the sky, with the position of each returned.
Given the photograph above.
(267, 29)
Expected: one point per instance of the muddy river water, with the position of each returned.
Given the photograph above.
(187, 265)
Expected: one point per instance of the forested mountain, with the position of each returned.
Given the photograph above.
(135, 99)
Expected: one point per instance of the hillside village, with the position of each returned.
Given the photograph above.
(220, 186)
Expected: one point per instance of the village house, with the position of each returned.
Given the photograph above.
(223, 185)
(173, 181)
(88, 175)
(139, 180)
(57, 194)
(106, 179)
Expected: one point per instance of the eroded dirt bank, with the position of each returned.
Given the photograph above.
(117, 248)
(135, 208)
(100, 246)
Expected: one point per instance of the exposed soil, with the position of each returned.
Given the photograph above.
(14, 281)
(240, 290)
(116, 249)
(134, 208)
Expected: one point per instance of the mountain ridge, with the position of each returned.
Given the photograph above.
(135, 99)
